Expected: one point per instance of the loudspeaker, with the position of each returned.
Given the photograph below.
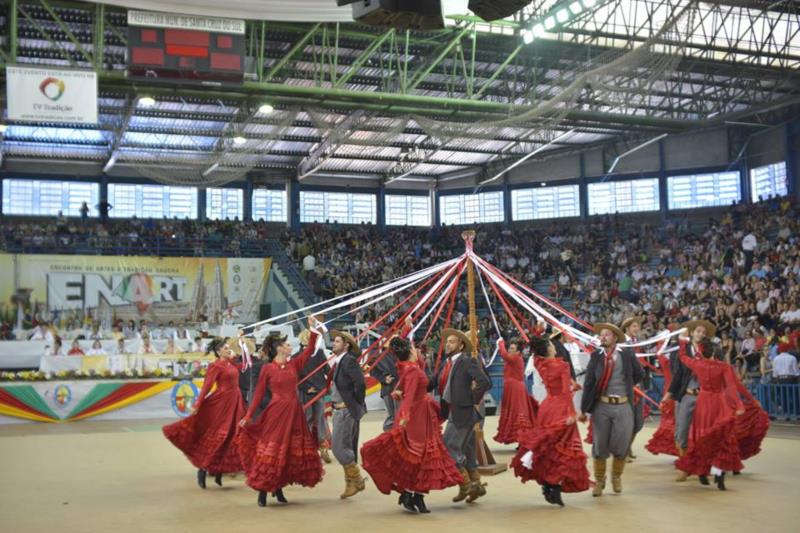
(490, 10)
(264, 311)
(400, 14)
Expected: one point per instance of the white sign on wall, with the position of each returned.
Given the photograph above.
(152, 19)
(51, 95)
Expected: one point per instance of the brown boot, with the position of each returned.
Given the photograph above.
(463, 487)
(682, 476)
(599, 477)
(617, 467)
(476, 487)
(324, 453)
(358, 479)
(351, 481)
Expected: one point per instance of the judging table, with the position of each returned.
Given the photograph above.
(120, 363)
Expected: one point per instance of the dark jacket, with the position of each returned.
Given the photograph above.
(349, 380)
(468, 383)
(681, 374)
(632, 373)
(387, 366)
(564, 354)
(313, 385)
(248, 380)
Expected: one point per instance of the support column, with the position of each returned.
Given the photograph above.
(103, 190)
(583, 191)
(792, 133)
(506, 201)
(437, 220)
(381, 206)
(663, 193)
(247, 200)
(293, 203)
(201, 203)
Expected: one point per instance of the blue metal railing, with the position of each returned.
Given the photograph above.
(780, 400)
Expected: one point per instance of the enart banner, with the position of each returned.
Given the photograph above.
(51, 95)
(150, 288)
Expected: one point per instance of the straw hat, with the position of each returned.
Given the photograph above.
(349, 339)
(711, 329)
(600, 326)
(556, 334)
(630, 320)
(233, 343)
(462, 336)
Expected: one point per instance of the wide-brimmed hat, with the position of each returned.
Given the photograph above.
(600, 326)
(630, 320)
(349, 339)
(711, 329)
(556, 334)
(464, 337)
(233, 343)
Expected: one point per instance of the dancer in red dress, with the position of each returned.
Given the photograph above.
(712, 446)
(551, 453)
(517, 408)
(206, 437)
(663, 440)
(278, 449)
(752, 426)
(410, 458)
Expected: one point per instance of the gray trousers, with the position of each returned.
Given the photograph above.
(315, 418)
(683, 419)
(612, 429)
(638, 417)
(344, 438)
(391, 409)
(460, 443)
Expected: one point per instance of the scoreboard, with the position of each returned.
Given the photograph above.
(185, 53)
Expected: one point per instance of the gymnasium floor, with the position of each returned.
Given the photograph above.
(125, 477)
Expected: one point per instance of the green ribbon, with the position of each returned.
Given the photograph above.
(28, 395)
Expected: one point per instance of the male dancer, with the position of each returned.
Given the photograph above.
(309, 389)
(385, 372)
(632, 327)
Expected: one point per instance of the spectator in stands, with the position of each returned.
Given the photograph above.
(43, 332)
(56, 350)
(784, 366)
(84, 210)
(96, 349)
(129, 331)
(765, 367)
(172, 348)
(147, 347)
(120, 349)
(76, 349)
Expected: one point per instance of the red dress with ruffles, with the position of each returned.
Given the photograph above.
(278, 449)
(517, 408)
(411, 457)
(663, 440)
(752, 426)
(712, 441)
(207, 437)
(558, 456)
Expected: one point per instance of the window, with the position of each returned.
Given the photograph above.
(545, 202)
(152, 201)
(408, 210)
(269, 205)
(342, 207)
(44, 197)
(769, 180)
(703, 190)
(623, 196)
(483, 207)
(224, 204)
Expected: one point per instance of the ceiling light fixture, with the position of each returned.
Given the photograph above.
(147, 101)
(266, 109)
(239, 140)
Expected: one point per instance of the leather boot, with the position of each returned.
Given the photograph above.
(262, 498)
(476, 488)
(279, 496)
(463, 487)
(617, 467)
(361, 482)
(419, 503)
(682, 476)
(547, 492)
(599, 477)
(350, 480)
(325, 454)
(407, 501)
(201, 479)
(218, 479)
(703, 480)
(720, 481)
(555, 495)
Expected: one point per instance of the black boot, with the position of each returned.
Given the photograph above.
(218, 479)
(201, 479)
(407, 499)
(737, 473)
(720, 481)
(278, 494)
(704, 480)
(419, 503)
(555, 495)
(547, 491)
(262, 498)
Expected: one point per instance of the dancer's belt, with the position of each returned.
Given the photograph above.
(614, 399)
(339, 406)
(692, 392)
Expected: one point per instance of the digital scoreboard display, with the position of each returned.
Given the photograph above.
(185, 55)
